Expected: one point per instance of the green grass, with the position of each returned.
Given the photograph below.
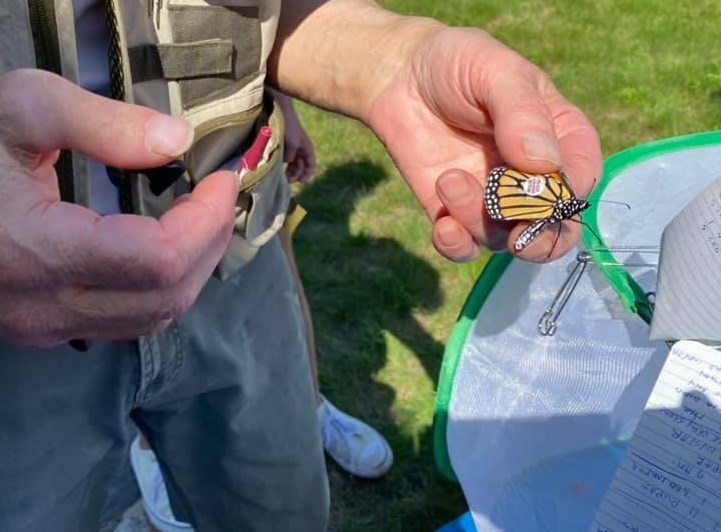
(384, 302)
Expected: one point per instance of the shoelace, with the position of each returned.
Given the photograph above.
(346, 430)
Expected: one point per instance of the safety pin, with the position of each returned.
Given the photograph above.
(626, 250)
(548, 324)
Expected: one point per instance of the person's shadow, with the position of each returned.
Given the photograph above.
(363, 290)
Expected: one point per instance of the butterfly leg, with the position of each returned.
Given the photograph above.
(555, 240)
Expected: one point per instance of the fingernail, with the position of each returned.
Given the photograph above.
(455, 187)
(450, 236)
(167, 135)
(538, 147)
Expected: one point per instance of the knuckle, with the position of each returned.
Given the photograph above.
(19, 90)
(21, 77)
(167, 268)
(25, 101)
(12, 82)
(498, 61)
(176, 304)
(183, 301)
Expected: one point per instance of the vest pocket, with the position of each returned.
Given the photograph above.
(265, 193)
(263, 201)
(225, 41)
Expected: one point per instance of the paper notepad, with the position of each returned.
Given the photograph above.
(670, 477)
(688, 290)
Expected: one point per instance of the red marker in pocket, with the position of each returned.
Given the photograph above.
(251, 158)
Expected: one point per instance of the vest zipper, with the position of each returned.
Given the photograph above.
(119, 178)
(115, 56)
(45, 36)
(47, 57)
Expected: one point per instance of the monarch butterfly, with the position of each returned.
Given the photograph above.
(543, 199)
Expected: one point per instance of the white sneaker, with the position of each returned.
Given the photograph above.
(355, 446)
(152, 488)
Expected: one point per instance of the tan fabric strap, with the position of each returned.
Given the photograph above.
(213, 57)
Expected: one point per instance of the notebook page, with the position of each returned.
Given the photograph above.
(688, 291)
(670, 477)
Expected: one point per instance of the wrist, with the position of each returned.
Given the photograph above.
(356, 50)
(397, 46)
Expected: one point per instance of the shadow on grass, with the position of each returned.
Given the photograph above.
(361, 289)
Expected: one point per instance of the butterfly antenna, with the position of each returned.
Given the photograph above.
(593, 185)
(608, 201)
(588, 227)
(614, 203)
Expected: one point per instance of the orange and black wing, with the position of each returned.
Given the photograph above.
(514, 195)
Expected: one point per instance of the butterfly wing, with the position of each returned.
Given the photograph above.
(559, 187)
(514, 195)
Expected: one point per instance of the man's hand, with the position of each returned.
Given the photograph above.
(66, 272)
(465, 104)
(448, 103)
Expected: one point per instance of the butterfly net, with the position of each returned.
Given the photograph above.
(533, 427)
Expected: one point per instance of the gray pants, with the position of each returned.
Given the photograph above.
(224, 396)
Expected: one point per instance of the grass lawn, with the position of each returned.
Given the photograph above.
(383, 301)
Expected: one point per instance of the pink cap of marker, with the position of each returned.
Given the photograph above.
(251, 158)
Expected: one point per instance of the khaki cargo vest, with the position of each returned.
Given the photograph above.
(203, 61)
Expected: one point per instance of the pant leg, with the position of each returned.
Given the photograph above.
(235, 430)
(64, 432)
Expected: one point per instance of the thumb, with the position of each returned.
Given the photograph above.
(42, 112)
(126, 251)
(523, 125)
